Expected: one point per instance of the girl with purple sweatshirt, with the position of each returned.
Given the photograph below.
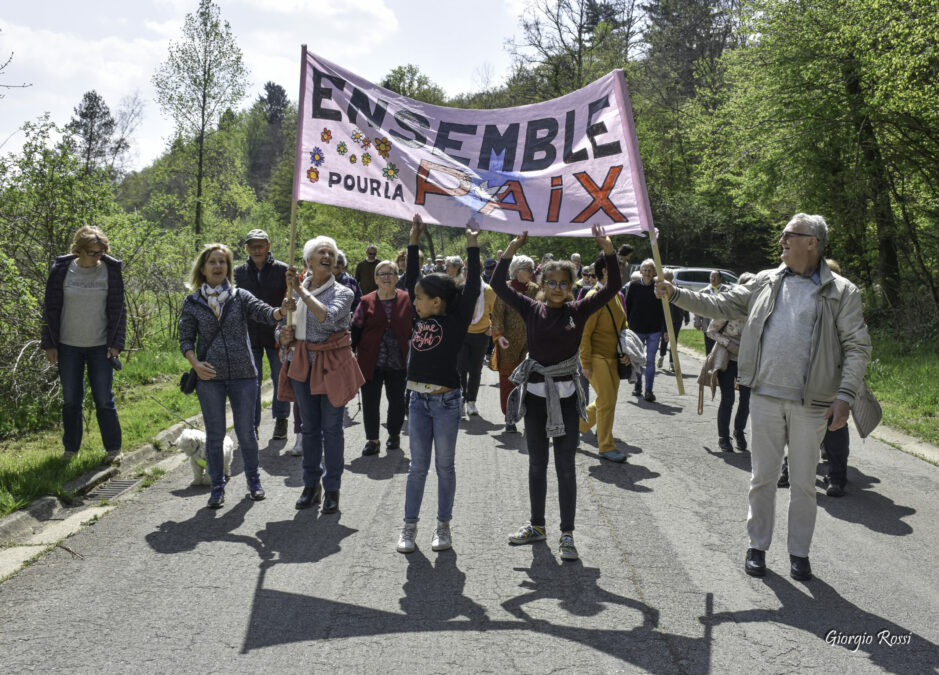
(548, 394)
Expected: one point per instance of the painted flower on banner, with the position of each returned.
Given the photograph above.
(357, 136)
(383, 145)
(317, 157)
(352, 159)
(366, 159)
(342, 148)
(313, 174)
(366, 143)
(326, 136)
(390, 172)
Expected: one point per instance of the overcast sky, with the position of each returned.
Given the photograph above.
(64, 49)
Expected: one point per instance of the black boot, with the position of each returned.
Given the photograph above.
(331, 501)
(309, 497)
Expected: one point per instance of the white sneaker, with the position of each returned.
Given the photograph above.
(471, 408)
(297, 449)
(114, 457)
(661, 361)
(406, 540)
(442, 539)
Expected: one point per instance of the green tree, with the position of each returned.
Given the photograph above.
(93, 128)
(201, 78)
(409, 81)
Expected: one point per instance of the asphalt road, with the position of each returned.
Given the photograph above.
(167, 585)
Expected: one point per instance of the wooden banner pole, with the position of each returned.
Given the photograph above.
(672, 340)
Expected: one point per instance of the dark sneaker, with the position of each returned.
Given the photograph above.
(511, 429)
(740, 439)
(637, 390)
(280, 429)
(724, 444)
(834, 490)
(649, 396)
(255, 491)
(217, 498)
(783, 481)
(393, 443)
(371, 448)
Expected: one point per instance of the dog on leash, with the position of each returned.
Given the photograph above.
(192, 444)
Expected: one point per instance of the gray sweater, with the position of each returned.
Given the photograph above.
(784, 356)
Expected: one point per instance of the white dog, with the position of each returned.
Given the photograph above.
(192, 443)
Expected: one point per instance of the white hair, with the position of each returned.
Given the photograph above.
(647, 261)
(517, 262)
(315, 243)
(453, 261)
(341, 258)
(818, 228)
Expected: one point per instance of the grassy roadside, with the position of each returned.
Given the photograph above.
(904, 377)
(31, 466)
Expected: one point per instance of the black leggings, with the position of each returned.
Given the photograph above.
(726, 379)
(394, 382)
(470, 363)
(565, 448)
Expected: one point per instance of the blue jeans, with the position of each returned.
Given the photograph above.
(212, 395)
(72, 362)
(322, 435)
(651, 341)
(278, 408)
(433, 422)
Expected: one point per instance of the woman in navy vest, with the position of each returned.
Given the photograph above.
(381, 334)
(84, 319)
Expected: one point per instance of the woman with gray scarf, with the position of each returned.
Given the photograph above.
(549, 395)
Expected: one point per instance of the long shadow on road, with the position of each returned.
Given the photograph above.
(829, 616)
(434, 601)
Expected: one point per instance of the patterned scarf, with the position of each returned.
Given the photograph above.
(216, 296)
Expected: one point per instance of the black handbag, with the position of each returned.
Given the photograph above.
(189, 379)
(624, 370)
(187, 383)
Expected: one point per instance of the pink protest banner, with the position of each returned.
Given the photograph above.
(554, 168)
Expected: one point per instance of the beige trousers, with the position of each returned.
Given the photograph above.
(777, 423)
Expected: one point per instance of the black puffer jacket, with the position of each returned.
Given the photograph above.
(230, 352)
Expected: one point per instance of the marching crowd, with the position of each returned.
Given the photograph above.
(789, 345)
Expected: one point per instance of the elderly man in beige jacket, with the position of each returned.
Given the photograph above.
(804, 351)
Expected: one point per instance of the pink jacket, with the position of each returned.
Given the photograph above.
(332, 360)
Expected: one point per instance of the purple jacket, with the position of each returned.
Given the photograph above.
(115, 309)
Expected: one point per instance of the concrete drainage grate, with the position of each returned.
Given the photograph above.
(111, 489)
